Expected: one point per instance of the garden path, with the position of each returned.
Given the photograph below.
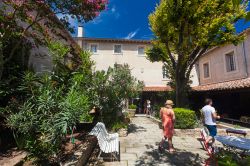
(140, 147)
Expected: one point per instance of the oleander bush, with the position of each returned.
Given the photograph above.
(185, 118)
(47, 115)
(46, 107)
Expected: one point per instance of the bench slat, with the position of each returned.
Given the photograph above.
(108, 142)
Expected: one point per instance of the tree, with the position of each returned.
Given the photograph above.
(236, 4)
(25, 19)
(186, 29)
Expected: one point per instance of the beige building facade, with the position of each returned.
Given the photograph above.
(108, 52)
(226, 63)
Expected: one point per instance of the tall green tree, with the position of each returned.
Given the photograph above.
(186, 29)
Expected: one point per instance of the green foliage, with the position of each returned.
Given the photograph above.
(185, 118)
(57, 50)
(231, 158)
(119, 125)
(132, 106)
(41, 23)
(237, 3)
(49, 105)
(50, 112)
(157, 108)
(109, 95)
(185, 30)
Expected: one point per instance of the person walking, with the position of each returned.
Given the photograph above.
(168, 119)
(148, 107)
(209, 120)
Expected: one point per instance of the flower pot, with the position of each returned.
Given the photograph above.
(126, 120)
(122, 132)
(131, 112)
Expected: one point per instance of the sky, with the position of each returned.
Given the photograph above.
(127, 19)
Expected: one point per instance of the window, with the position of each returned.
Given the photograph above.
(141, 50)
(93, 48)
(230, 62)
(164, 72)
(206, 70)
(117, 49)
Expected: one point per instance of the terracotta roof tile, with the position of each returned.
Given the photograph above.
(114, 40)
(228, 85)
(156, 88)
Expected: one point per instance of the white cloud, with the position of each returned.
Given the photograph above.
(113, 9)
(132, 34)
(148, 36)
(98, 19)
(104, 14)
(114, 12)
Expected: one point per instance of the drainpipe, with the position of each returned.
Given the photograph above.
(245, 58)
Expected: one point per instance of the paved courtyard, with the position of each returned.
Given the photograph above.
(140, 147)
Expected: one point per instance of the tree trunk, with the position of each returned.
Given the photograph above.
(181, 89)
(1, 60)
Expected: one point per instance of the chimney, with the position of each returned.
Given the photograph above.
(80, 31)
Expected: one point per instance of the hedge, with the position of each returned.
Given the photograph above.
(185, 118)
(132, 106)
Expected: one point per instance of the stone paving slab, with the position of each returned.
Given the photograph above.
(140, 147)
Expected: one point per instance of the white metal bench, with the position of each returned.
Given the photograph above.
(108, 143)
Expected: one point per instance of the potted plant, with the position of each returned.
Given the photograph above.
(121, 128)
(131, 110)
(126, 118)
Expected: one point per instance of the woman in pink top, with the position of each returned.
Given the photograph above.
(168, 118)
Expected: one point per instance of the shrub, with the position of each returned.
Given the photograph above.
(109, 95)
(156, 111)
(185, 118)
(132, 106)
(119, 125)
(50, 104)
(48, 115)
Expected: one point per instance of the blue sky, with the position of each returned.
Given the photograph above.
(123, 19)
(127, 19)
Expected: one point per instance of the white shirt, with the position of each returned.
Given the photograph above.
(148, 104)
(207, 113)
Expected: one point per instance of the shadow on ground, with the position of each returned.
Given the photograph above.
(179, 158)
(133, 128)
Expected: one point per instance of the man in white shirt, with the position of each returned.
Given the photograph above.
(209, 119)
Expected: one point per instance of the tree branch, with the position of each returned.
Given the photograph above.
(170, 55)
(36, 20)
(194, 53)
(195, 60)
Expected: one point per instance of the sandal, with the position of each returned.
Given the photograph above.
(171, 149)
